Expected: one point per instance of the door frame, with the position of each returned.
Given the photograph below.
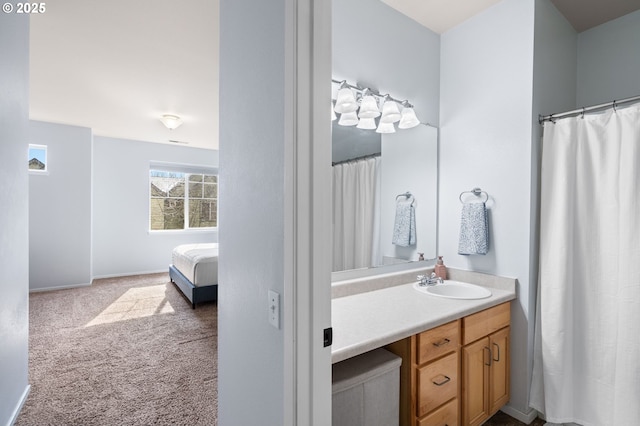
(308, 244)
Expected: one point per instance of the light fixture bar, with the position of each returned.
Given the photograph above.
(344, 83)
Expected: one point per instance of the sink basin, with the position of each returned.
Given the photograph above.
(455, 290)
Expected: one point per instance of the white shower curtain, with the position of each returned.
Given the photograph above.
(587, 349)
(356, 218)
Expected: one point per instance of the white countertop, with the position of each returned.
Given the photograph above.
(369, 320)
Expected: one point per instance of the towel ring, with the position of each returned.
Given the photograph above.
(405, 195)
(477, 192)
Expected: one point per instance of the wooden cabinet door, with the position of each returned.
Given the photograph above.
(499, 371)
(476, 358)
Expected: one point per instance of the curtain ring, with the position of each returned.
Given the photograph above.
(582, 116)
(615, 107)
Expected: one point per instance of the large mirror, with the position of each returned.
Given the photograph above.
(372, 174)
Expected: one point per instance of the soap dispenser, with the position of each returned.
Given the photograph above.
(440, 269)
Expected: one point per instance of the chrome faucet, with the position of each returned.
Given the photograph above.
(425, 280)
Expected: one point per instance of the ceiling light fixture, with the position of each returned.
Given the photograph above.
(361, 106)
(171, 121)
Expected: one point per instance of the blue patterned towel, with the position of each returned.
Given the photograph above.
(474, 229)
(404, 229)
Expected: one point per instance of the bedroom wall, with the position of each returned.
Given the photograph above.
(122, 242)
(14, 215)
(60, 208)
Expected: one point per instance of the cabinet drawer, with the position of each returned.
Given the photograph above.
(485, 322)
(447, 415)
(437, 383)
(438, 341)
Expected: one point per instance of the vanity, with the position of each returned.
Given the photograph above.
(455, 352)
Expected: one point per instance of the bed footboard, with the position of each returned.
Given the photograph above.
(195, 294)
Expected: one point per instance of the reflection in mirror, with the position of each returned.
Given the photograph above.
(370, 172)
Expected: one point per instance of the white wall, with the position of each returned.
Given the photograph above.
(60, 208)
(485, 141)
(609, 61)
(122, 243)
(374, 44)
(252, 180)
(14, 214)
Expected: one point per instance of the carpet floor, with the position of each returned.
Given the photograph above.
(123, 351)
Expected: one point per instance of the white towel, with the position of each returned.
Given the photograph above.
(404, 229)
(474, 229)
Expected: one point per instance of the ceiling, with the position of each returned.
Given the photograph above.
(441, 15)
(116, 66)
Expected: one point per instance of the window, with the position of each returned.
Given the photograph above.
(180, 200)
(37, 158)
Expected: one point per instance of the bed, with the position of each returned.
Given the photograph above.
(194, 270)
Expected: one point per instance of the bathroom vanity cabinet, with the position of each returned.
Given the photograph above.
(457, 373)
(429, 376)
(485, 363)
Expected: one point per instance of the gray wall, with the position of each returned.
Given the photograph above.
(89, 215)
(122, 243)
(554, 90)
(485, 141)
(60, 208)
(250, 351)
(14, 214)
(609, 61)
(376, 45)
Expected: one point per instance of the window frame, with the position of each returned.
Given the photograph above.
(186, 170)
(44, 171)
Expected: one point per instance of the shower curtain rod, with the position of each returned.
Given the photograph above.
(582, 110)
(364, 157)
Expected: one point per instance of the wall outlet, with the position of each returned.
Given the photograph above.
(274, 309)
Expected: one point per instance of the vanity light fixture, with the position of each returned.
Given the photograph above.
(390, 111)
(368, 105)
(348, 119)
(408, 117)
(346, 100)
(171, 121)
(385, 128)
(361, 107)
(367, 123)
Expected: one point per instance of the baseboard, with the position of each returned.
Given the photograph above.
(16, 412)
(62, 287)
(130, 274)
(525, 418)
(98, 277)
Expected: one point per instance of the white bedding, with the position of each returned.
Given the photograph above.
(197, 262)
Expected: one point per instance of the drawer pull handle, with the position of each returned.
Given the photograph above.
(441, 342)
(490, 357)
(498, 351)
(447, 379)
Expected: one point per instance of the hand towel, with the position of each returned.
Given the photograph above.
(474, 229)
(404, 229)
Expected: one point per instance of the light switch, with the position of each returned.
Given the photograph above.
(274, 309)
